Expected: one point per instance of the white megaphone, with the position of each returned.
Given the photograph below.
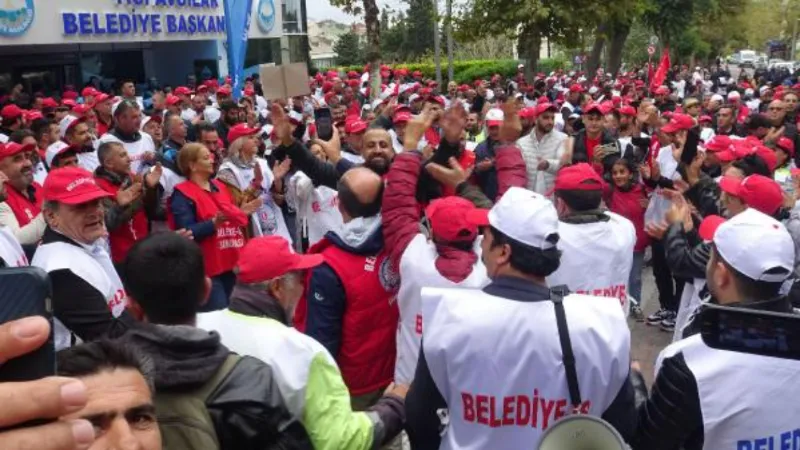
(580, 432)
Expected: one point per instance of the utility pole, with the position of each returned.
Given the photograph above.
(437, 51)
(450, 40)
(794, 41)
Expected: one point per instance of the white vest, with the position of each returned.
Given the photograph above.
(88, 161)
(285, 350)
(690, 301)
(169, 179)
(268, 220)
(596, 258)
(747, 401)
(418, 270)
(317, 207)
(10, 251)
(136, 150)
(39, 173)
(659, 205)
(499, 366)
(94, 266)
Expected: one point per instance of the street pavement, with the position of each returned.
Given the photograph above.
(648, 341)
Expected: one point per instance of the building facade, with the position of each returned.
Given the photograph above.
(48, 44)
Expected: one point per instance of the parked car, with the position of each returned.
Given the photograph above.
(748, 58)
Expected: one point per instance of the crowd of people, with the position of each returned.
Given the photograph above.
(440, 267)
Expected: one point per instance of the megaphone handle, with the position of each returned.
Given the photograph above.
(557, 297)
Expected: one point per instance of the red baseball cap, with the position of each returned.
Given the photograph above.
(241, 130)
(30, 116)
(100, 97)
(173, 100)
(68, 102)
(436, 99)
(576, 88)
(72, 186)
(49, 102)
(449, 218)
(705, 119)
(224, 91)
(11, 112)
(594, 107)
(578, 177)
(352, 74)
(528, 112)
(678, 122)
(357, 126)
(12, 148)
(182, 90)
(81, 109)
(402, 117)
(417, 74)
(719, 143)
(709, 226)
(768, 156)
(249, 92)
(786, 145)
(627, 110)
(202, 88)
(662, 90)
(89, 92)
(269, 257)
(544, 107)
(756, 191)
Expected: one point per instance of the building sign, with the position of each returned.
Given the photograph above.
(149, 17)
(108, 21)
(16, 17)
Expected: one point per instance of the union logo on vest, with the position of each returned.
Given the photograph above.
(16, 16)
(266, 15)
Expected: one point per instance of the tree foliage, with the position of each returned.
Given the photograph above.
(370, 10)
(348, 50)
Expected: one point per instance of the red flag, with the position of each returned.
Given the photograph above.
(661, 73)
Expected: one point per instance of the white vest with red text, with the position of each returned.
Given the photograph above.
(499, 366)
(748, 401)
(317, 207)
(93, 265)
(268, 220)
(10, 250)
(418, 270)
(136, 150)
(169, 179)
(596, 258)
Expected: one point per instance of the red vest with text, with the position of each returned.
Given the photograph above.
(24, 209)
(369, 328)
(122, 239)
(220, 251)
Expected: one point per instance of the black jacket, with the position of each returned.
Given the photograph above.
(687, 256)
(246, 408)
(424, 398)
(671, 418)
(580, 153)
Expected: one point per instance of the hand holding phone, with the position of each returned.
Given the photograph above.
(39, 400)
(324, 122)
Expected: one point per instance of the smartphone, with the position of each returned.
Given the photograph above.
(25, 292)
(324, 121)
(764, 333)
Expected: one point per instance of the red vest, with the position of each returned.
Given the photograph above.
(24, 210)
(122, 239)
(220, 251)
(369, 328)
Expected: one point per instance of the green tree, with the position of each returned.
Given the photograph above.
(348, 51)
(393, 39)
(420, 18)
(370, 10)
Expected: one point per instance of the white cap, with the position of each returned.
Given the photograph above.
(593, 90)
(494, 116)
(524, 216)
(762, 89)
(295, 116)
(734, 94)
(412, 98)
(66, 123)
(717, 98)
(54, 150)
(145, 119)
(754, 243)
(748, 91)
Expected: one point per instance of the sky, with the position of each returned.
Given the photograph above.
(321, 9)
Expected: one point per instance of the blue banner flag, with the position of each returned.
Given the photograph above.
(237, 18)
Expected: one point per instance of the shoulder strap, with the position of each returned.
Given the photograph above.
(557, 295)
(211, 385)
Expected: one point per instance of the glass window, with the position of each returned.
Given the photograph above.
(262, 51)
(292, 16)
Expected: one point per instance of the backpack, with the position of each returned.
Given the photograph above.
(183, 419)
